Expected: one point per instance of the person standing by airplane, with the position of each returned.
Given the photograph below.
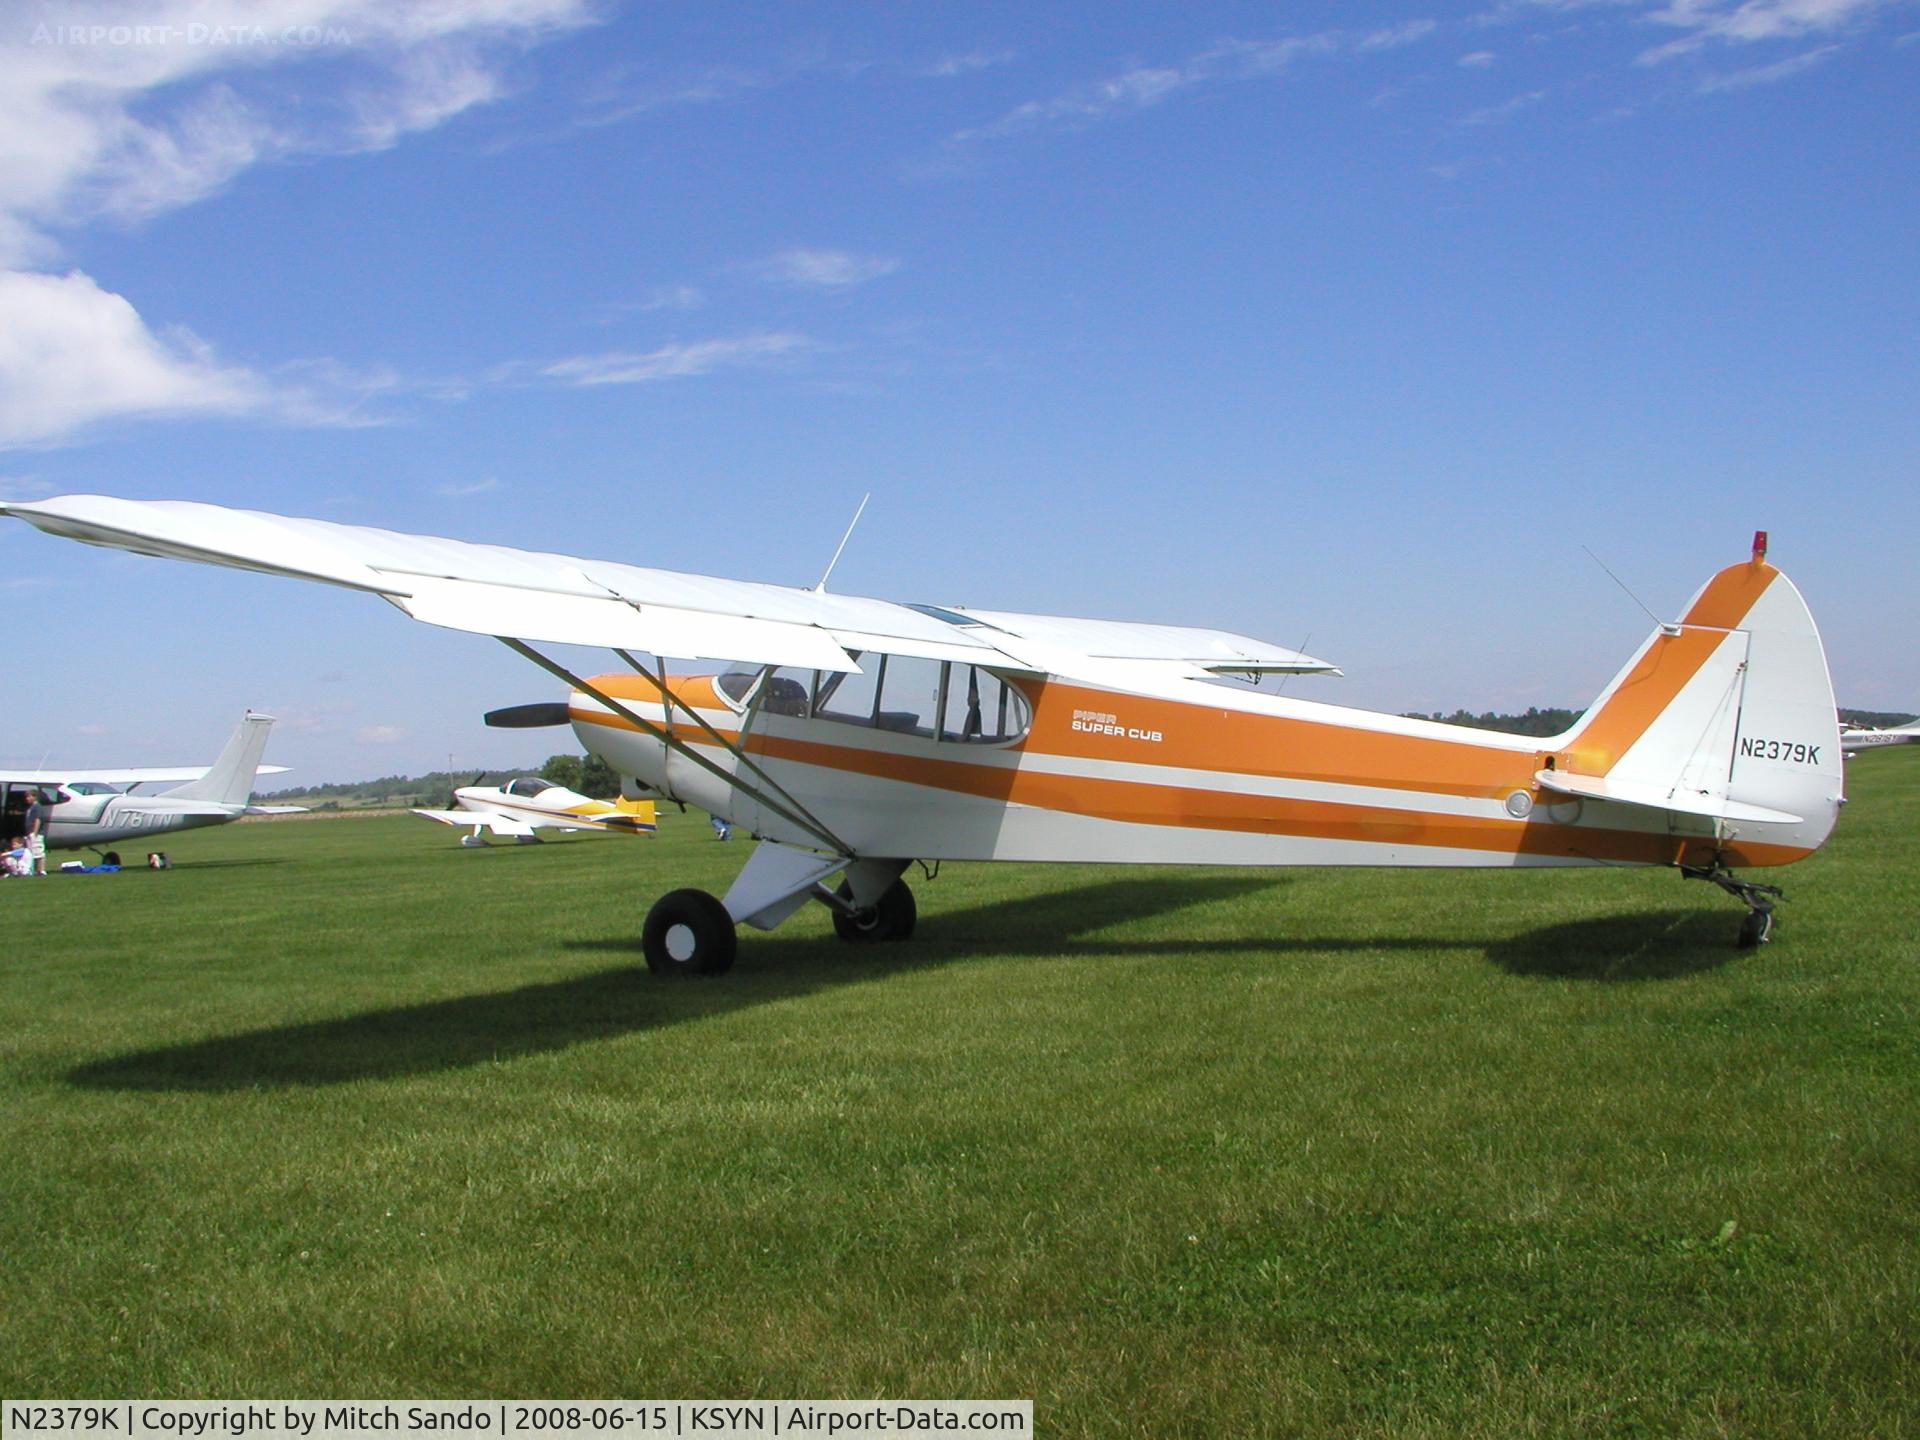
(39, 812)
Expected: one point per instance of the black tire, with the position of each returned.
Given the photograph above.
(688, 932)
(892, 917)
(1756, 930)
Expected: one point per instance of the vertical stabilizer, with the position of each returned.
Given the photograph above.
(1727, 713)
(230, 780)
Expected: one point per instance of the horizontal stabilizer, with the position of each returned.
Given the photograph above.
(1622, 792)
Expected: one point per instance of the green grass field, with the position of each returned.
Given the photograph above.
(339, 1109)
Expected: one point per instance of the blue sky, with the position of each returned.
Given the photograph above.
(1349, 326)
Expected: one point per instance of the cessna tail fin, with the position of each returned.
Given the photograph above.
(230, 780)
(1727, 715)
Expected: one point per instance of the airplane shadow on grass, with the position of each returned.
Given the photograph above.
(535, 1019)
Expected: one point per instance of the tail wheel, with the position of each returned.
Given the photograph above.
(688, 932)
(1756, 929)
(891, 917)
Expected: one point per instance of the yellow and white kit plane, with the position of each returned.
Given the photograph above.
(866, 735)
(524, 806)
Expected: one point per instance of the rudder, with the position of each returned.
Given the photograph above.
(1728, 714)
(229, 781)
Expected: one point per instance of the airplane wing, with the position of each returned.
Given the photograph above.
(116, 777)
(490, 820)
(537, 596)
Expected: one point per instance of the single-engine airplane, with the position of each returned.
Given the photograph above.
(91, 813)
(1853, 739)
(524, 806)
(866, 735)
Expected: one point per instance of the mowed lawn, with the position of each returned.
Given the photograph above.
(337, 1108)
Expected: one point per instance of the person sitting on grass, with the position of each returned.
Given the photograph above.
(18, 860)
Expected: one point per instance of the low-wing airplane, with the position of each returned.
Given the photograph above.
(868, 735)
(522, 807)
(1853, 739)
(91, 812)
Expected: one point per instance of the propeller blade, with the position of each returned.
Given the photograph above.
(529, 717)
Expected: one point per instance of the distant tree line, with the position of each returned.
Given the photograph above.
(1534, 722)
(590, 775)
(1874, 719)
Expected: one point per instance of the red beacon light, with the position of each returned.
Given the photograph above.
(1759, 546)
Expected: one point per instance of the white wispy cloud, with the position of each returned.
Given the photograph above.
(948, 66)
(72, 354)
(1394, 36)
(24, 487)
(1145, 86)
(456, 490)
(672, 297)
(379, 735)
(670, 362)
(1768, 74)
(1746, 21)
(821, 269)
(1477, 60)
(122, 112)
(1505, 110)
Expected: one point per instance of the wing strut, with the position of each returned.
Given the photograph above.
(673, 742)
(798, 812)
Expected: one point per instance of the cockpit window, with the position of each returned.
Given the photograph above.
(528, 785)
(981, 708)
(88, 787)
(934, 699)
(785, 692)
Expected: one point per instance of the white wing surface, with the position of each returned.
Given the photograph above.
(491, 820)
(116, 777)
(534, 595)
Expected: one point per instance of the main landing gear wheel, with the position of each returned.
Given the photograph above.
(688, 932)
(891, 917)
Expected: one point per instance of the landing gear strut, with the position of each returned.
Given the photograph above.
(1757, 928)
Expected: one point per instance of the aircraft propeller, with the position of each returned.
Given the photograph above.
(536, 716)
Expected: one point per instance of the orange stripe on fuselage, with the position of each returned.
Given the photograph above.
(1203, 738)
(1666, 666)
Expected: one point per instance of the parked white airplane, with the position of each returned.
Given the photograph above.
(1854, 740)
(868, 735)
(90, 812)
(529, 804)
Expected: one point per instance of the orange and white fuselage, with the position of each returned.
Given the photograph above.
(1717, 744)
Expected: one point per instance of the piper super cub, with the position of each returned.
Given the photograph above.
(864, 735)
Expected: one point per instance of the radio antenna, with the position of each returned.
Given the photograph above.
(1667, 627)
(821, 588)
